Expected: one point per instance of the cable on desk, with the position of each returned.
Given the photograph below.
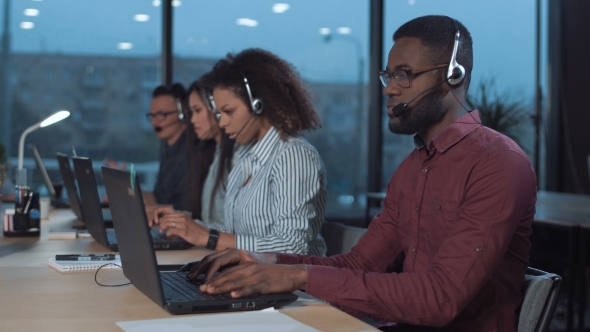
(103, 285)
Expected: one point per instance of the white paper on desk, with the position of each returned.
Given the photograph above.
(253, 321)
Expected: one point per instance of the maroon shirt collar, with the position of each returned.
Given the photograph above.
(452, 134)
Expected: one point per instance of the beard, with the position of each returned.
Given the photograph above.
(428, 112)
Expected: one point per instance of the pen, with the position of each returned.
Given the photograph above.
(85, 257)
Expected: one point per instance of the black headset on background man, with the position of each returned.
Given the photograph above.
(455, 74)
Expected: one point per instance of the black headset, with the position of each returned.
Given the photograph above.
(255, 103)
(456, 72)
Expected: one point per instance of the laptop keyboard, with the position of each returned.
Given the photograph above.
(190, 289)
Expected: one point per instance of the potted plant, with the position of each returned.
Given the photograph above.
(501, 111)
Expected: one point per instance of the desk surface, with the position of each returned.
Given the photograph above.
(563, 209)
(37, 297)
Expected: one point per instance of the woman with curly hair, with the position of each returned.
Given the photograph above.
(276, 192)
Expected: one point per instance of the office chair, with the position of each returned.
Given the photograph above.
(340, 238)
(541, 290)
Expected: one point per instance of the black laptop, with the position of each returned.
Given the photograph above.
(169, 289)
(72, 190)
(95, 224)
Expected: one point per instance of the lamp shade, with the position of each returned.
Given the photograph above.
(56, 117)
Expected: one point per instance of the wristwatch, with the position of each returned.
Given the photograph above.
(213, 238)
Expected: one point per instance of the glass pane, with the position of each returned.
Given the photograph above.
(97, 59)
(327, 41)
(503, 35)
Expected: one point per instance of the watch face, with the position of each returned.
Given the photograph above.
(213, 237)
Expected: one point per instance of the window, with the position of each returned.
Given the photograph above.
(500, 45)
(91, 50)
(327, 41)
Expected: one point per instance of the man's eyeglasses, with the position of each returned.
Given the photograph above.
(159, 115)
(403, 77)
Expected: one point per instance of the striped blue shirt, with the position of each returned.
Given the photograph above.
(281, 207)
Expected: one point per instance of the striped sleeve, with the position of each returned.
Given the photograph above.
(297, 205)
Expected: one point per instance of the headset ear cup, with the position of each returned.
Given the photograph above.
(457, 75)
(257, 106)
(179, 110)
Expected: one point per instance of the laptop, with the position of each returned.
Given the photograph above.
(169, 289)
(93, 216)
(56, 201)
(70, 184)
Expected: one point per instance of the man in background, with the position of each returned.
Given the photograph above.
(167, 117)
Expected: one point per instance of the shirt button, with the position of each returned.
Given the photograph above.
(438, 207)
(417, 208)
(479, 249)
(425, 170)
(413, 249)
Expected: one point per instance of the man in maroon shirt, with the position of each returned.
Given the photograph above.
(458, 210)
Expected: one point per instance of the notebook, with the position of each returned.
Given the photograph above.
(95, 224)
(72, 190)
(68, 266)
(169, 289)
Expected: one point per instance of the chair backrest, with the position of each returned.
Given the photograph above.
(341, 238)
(541, 290)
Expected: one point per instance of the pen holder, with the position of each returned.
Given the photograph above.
(23, 222)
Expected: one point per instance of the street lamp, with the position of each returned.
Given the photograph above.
(344, 34)
(22, 172)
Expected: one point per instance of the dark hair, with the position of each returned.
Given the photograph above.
(199, 159)
(176, 90)
(286, 99)
(437, 33)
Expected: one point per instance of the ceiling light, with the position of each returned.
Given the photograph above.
(280, 8)
(411, 2)
(324, 31)
(27, 25)
(176, 3)
(344, 30)
(124, 46)
(141, 17)
(156, 3)
(247, 22)
(31, 12)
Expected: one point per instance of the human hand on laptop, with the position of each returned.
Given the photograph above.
(151, 210)
(108, 162)
(179, 223)
(245, 273)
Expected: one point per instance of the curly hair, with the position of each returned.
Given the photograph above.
(285, 97)
(437, 33)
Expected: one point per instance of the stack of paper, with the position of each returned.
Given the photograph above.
(267, 320)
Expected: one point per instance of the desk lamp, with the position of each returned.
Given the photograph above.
(22, 172)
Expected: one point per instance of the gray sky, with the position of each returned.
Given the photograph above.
(503, 32)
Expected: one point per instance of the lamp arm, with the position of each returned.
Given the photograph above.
(21, 143)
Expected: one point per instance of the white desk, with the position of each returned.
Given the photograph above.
(35, 297)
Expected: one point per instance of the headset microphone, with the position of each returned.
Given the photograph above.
(160, 128)
(244, 126)
(400, 109)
